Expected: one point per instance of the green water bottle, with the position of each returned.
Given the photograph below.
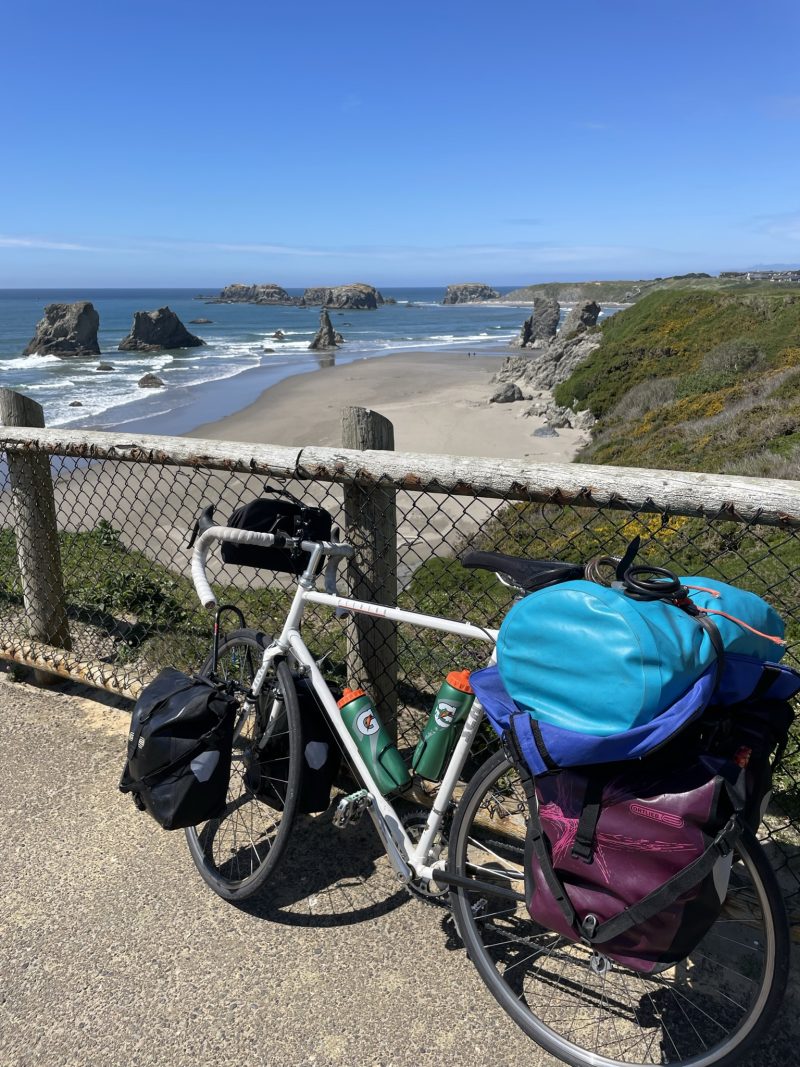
(375, 745)
(450, 709)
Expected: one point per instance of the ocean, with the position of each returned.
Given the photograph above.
(233, 369)
(203, 384)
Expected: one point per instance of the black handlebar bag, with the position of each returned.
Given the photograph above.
(179, 749)
(280, 515)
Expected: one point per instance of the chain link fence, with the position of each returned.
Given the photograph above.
(124, 511)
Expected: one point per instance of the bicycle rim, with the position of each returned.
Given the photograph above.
(710, 1009)
(238, 851)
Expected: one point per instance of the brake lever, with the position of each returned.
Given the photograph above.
(203, 521)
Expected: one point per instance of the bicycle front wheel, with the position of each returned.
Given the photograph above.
(237, 852)
(706, 1011)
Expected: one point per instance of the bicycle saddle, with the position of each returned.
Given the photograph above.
(529, 574)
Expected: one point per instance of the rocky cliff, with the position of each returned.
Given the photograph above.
(66, 330)
(551, 362)
(469, 293)
(542, 324)
(153, 330)
(582, 317)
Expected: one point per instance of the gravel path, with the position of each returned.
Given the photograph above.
(113, 952)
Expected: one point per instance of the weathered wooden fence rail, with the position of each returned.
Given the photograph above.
(767, 501)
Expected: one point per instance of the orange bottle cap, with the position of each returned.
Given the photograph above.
(460, 680)
(348, 695)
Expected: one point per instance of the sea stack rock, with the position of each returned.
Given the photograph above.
(326, 335)
(582, 317)
(151, 381)
(356, 296)
(469, 293)
(269, 293)
(66, 330)
(315, 296)
(153, 330)
(542, 324)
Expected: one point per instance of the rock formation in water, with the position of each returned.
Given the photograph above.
(314, 296)
(357, 296)
(269, 293)
(154, 330)
(543, 323)
(150, 381)
(469, 293)
(326, 335)
(66, 330)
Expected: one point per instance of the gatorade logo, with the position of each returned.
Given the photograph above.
(444, 714)
(367, 723)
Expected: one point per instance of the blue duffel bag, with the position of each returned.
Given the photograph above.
(593, 659)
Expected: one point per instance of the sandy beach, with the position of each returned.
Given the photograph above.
(438, 401)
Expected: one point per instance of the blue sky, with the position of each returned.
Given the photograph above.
(200, 143)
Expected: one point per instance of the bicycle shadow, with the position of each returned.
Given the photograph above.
(329, 877)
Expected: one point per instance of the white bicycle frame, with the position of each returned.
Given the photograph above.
(410, 860)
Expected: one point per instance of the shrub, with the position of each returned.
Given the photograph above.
(766, 464)
(644, 397)
(703, 381)
(733, 357)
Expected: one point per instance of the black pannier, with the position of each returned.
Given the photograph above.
(322, 759)
(278, 515)
(179, 749)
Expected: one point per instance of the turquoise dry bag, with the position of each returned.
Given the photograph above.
(594, 660)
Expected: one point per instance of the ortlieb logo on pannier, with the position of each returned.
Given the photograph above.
(640, 775)
(179, 749)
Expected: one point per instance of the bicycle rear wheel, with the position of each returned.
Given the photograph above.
(238, 851)
(710, 1009)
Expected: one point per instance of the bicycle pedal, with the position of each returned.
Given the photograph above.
(351, 808)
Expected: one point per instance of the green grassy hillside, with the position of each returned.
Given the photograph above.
(629, 291)
(696, 380)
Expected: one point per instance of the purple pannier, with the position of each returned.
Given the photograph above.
(630, 835)
(651, 827)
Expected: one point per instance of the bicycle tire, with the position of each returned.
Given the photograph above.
(238, 851)
(693, 1014)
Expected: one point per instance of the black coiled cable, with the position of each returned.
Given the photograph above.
(660, 584)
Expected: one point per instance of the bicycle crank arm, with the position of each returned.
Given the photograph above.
(443, 877)
(396, 858)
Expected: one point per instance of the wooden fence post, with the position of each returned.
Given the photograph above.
(36, 530)
(371, 526)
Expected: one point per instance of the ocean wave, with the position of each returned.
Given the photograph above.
(216, 377)
(150, 414)
(44, 387)
(24, 362)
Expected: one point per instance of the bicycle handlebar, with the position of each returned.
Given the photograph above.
(250, 537)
